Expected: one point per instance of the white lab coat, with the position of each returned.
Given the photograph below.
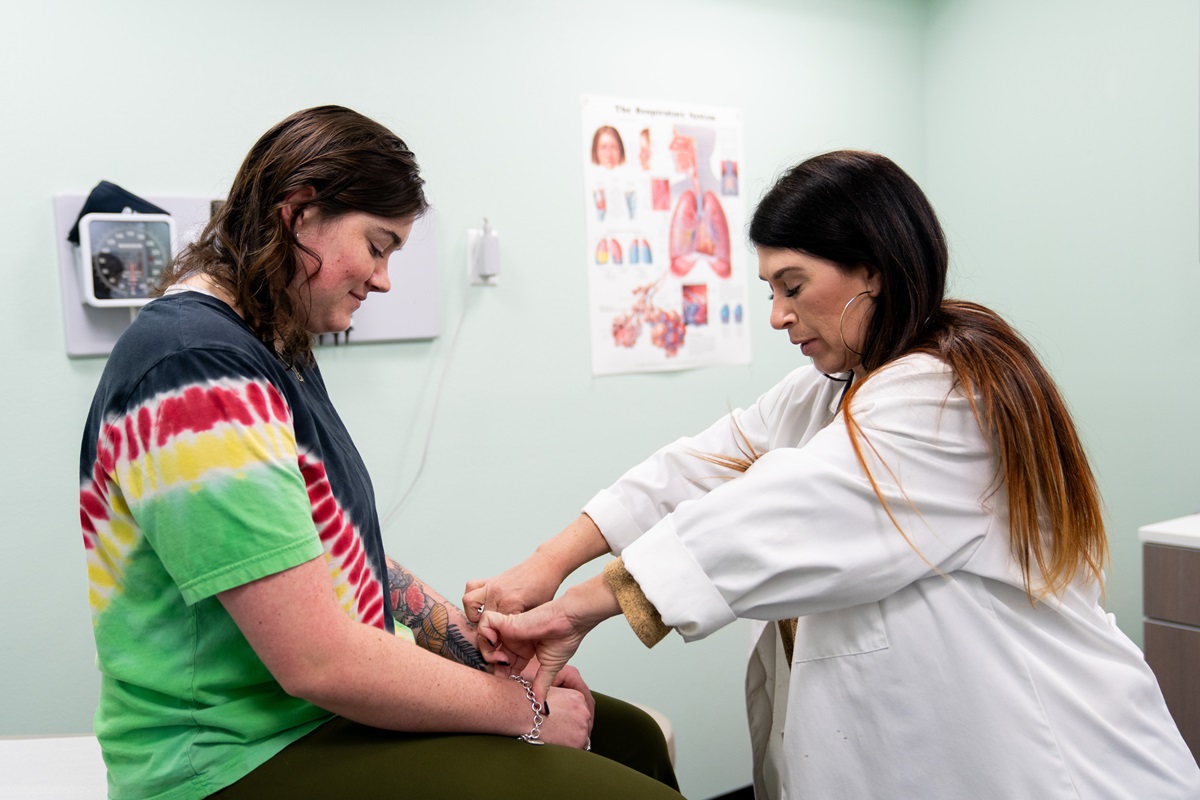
(919, 671)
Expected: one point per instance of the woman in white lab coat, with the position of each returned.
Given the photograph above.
(911, 520)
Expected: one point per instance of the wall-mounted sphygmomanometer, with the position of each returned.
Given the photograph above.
(109, 260)
(124, 245)
(122, 256)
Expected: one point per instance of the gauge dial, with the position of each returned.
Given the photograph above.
(125, 256)
(127, 259)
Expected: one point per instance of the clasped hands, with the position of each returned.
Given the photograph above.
(519, 621)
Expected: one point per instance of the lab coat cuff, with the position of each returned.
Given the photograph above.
(641, 615)
(685, 597)
(614, 522)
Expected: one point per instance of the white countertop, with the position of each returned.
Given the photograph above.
(52, 767)
(1181, 532)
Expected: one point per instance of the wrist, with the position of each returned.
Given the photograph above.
(589, 603)
(535, 709)
(571, 548)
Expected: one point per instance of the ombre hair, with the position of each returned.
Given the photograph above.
(858, 209)
(351, 163)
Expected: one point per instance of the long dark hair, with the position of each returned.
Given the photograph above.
(351, 163)
(856, 208)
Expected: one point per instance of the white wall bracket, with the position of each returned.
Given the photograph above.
(483, 255)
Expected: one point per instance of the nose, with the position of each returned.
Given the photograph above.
(782, 316)
(380, 280)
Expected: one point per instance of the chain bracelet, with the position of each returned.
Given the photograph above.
(535, 734)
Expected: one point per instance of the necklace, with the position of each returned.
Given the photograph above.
(290, 367)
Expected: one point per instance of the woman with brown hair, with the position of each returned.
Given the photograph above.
(911, 521)
(608, 150)
(243, 608)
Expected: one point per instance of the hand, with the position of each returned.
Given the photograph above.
(520, 588)
(551, 633)
(535, 580)
(568, 677)
(571, 722)
(527, 585)
(545, 634)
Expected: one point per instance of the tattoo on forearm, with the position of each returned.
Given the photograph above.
(428, 619)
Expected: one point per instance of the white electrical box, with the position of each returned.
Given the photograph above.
(483, 255)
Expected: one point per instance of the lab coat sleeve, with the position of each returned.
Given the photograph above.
(802, 531)
(677, 473)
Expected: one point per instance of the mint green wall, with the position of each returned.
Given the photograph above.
(966, 95)
(1062, 153)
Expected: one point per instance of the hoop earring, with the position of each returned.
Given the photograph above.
(842, 319)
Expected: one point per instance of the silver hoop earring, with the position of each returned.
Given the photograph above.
(842, 319)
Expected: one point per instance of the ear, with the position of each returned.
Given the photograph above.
(874, 280)
(297, 197)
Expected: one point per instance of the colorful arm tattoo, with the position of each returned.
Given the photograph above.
(436, 624)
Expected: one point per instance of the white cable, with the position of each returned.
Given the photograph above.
(437, 403)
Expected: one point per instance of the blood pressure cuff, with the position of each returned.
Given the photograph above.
(110, 198)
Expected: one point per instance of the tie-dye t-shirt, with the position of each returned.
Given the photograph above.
(207, 464)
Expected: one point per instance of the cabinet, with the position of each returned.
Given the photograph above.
(1171, 596)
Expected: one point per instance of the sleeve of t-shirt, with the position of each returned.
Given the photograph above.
(208, 464)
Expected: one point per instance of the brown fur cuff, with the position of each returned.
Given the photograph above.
(638, 611)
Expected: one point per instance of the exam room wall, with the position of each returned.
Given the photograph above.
(1058, 140)
(1062, 142)
(487, 94)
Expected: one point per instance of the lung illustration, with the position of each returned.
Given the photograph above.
(699, 233)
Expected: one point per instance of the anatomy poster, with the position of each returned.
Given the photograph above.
(667, 284)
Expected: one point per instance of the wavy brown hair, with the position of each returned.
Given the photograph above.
(351, 163)
(855, 208)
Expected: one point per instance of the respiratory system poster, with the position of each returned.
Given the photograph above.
(667, 282)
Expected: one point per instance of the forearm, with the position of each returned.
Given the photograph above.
(572, 547)
(372, 677)
(437, 624)
(316, 652)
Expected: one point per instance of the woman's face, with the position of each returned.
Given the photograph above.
(808, 298)
(354, 249)
(608, 150)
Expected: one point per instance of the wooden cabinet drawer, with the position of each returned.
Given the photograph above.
(1171, 583)
(1173, 652)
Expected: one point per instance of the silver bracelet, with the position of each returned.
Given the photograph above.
(535, 734)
